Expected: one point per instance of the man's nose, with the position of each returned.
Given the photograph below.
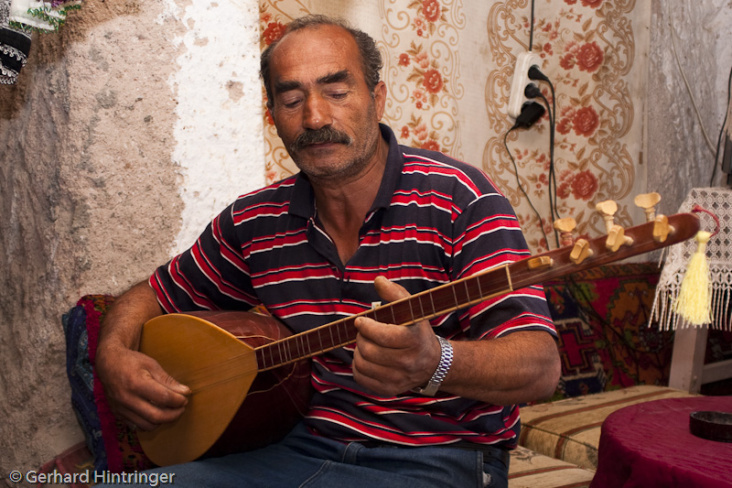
(316, 113)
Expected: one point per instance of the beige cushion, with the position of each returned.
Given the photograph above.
(570, 429)
(529, 469)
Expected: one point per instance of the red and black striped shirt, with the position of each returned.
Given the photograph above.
(433, 221)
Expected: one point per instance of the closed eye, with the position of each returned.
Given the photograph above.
(338, 95)
(290, 103)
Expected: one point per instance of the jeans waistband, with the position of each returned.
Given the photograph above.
(488, 451)
(501, 453)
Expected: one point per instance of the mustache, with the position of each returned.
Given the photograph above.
(323, 135)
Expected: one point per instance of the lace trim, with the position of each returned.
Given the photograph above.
(719, 255)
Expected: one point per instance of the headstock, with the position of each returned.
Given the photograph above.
(616, 237)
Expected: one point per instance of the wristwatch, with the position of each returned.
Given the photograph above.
(433, 385)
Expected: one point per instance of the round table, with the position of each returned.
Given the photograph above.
(650, 445)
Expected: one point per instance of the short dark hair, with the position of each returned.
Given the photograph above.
(370, 56)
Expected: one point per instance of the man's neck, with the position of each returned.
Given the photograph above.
(343, 205)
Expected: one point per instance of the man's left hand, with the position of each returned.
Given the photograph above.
(391, 359)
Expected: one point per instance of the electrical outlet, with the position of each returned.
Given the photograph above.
(521, 79)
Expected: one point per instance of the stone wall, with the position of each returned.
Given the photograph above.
(109, 164)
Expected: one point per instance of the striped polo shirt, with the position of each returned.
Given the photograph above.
(434, 220)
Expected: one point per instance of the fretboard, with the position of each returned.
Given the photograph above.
(426, 305)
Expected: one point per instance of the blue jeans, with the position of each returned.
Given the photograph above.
(305, 460)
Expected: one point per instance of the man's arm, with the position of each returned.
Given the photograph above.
(137, 387)
(519, 367)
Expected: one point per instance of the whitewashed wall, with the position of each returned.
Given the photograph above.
(128, 130)
(218, 126)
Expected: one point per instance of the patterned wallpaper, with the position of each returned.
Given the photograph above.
(448, 68)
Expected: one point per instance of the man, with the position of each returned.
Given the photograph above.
(432, 404)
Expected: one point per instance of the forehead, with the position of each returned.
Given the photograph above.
(315, 51)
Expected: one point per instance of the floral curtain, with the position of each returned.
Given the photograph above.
(448, 67)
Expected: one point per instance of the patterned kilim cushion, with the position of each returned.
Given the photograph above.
(529, 469)
(570, 429)
(114, 445)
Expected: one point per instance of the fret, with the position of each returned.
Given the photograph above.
(269, 358)
(421, 308)
(467, 291)
(432, 301)
(345, 331)
(462, 299)
(411, 310)
(262, 359)
(379, 314)
(480, 290)
(320, 339)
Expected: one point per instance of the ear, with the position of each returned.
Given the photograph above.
(380, 98)
(271, 112)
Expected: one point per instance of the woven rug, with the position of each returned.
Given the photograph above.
(605, 343)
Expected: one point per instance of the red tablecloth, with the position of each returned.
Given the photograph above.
(650, 445)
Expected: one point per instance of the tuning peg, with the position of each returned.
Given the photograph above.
(648, 202)
(607, 209)
(616, 238)
(661, 228)
(580, 251)
(566, 227)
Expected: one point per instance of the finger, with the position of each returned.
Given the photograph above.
(157, 387)
(373, 335)
(376, 378)
(150, 405)
(391, 292)
(146, 416)
(388, 290)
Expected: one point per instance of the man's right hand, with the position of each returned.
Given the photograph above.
(138, 389)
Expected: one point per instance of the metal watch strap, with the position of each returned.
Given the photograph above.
(433, 385)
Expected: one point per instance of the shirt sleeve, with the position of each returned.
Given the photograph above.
(489, 236)
(211, 275)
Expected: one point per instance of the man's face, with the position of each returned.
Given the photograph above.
(322, 108)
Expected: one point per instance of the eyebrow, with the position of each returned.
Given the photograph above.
(337, 77)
